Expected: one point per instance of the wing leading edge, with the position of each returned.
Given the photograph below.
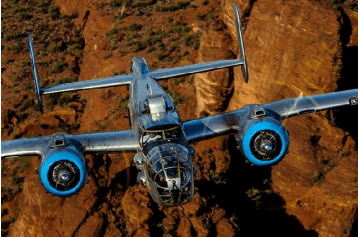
(86, 143)
(221, 124)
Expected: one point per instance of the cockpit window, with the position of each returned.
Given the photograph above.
(170, 169)
(157, 135)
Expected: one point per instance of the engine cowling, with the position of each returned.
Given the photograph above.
(63, 171)
(264, 140)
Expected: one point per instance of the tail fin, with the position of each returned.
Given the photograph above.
(34, 70)
(241, 44)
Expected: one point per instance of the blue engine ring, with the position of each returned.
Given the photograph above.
(58, 156)
(265, 125)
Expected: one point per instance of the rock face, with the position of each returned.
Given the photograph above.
(213, 87)
(290, 50)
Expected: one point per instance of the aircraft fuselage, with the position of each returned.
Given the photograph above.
(165, 158)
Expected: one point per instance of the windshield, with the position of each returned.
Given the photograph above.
(170, 170)
(150, 136)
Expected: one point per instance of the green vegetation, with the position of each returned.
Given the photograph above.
(54, 11)
(119, 3)
(319, 176)
(179, 27)
(134, 27)
(76, 46)
(74, 78)
(122, 104)
(4, 189)
(216, 177)
(352, 4)
(179, 99)
(11, 35)
(24, 163)
(172, 7)
(101, 183)
(60, 99)
(136, 46)
(16, 180)
(179, 80)
(23, 73)
(27, 103)
(58, 66)
(9, 61)
(3, 168)
(4, 212)
(107, 55)
(258, 195)
(205, 2)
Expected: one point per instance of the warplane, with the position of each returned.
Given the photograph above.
(159, 137)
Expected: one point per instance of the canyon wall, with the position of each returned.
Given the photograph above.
(293, 49)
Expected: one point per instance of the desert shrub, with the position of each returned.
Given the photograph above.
(29, 102)
(54, 11)
(58, 66)
(11, 35)
(16, 180)
(76, 46)
(119, 3)
(134, 27)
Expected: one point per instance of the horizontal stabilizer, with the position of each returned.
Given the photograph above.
(208, 66)
(157, 74)
(194, 68)
(89, 84)
(75, 86)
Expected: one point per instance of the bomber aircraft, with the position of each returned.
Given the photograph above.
(158, 135)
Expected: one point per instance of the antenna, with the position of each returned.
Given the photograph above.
(34, 71)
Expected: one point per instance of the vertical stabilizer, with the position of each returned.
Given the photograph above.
(241, 43)
(34, 71)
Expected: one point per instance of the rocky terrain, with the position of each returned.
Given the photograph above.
(293, 49)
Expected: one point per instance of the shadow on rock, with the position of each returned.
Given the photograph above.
(344, 117)
(247, 196)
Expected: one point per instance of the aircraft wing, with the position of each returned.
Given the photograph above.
(24, 147)
(212, 126)
(309, 104)
(86, 143)
(220, 124)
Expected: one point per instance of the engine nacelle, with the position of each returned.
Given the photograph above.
(263, 139)
(63, 170)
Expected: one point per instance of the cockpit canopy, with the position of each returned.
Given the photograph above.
(169, 169)
(159, 109)
(160, 134)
